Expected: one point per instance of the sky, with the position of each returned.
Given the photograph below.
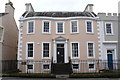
(106, 6)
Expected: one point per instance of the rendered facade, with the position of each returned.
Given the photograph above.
(50, 38)
(108, 24)
(8, 39)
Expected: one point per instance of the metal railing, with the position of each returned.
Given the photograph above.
(82, 66)
(8, 65)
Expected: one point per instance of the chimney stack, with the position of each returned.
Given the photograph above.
(9, 8)
(89, 8)
(29, 7)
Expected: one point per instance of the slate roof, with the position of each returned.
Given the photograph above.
(58, 14)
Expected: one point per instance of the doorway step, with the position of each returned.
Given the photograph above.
(61, 68)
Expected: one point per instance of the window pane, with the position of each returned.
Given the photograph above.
(90, 49)
(75, 49)
(89, 26)
(45, 49)
(30, 27)
(30, 66)
(108, 28)
(46, 66)
(46, 26)
(75, 66)
(60, 27)
(74, 26)
(91, 66)
(30, 50)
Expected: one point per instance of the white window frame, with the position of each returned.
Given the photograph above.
(57, 27)
(78, 65)
(78, 50)
(33, 27)
(29, 70)
(27, 50)
(91, 26)
(49, 27)
(71, 27)
(49, 50)
(92, 68)
(111, 28)
(44, 70)
(93, 49)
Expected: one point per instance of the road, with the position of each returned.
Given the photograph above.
(13, 78)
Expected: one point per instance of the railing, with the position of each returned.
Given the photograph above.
(93, 66)
(82, 66)
(70, 64)
(52, 65)
(9, 65)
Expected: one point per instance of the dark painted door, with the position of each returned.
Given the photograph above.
(110, 61)
(60, 53)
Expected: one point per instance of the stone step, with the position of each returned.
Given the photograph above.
(61, 68)
(62, 76)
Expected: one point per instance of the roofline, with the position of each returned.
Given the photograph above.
(58, 18)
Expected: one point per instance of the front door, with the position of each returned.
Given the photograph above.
(60, 53)
(110, 59)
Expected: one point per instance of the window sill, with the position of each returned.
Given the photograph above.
(75, 57)
(60, 33)
(46, 58)
(91, 57)
(46, 69)
(30, 33)
(92, 69)
(29, 58)
(46, 33)
(90, 33)
(110, 34)
(75, 33)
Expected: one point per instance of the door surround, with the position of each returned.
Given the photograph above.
(110, 60)
(60, 40)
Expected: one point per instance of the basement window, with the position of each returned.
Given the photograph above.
(75, 66)
(30, 68)
(46, 66)
(91, 66)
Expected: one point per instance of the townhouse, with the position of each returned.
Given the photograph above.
(8, 39)
(108, 24)
(80, 41)
(56, 36)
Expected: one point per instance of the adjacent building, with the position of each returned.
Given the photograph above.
(108, 25)
(8, 39)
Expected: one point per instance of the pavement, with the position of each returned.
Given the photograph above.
(17, 78)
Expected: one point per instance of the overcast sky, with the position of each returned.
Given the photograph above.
(61, 5)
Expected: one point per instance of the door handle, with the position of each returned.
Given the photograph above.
(58, 53)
